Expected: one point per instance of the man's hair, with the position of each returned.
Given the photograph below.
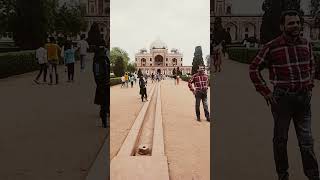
(288, 13)
(68, 45)
(52, 40)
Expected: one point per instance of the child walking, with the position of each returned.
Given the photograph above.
(69, 60)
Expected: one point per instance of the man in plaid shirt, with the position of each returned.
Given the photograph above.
(291, 71)
(200, 81)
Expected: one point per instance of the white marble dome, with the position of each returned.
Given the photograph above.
(158, 44)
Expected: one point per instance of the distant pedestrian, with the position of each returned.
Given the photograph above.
(200, 81)
(83, 47)
(135, 78)
(69, 60)
(53, 51)
(41, 55)
(143, 88)
(126, 77)
(131, 79)
(217, 56)
(123, 81)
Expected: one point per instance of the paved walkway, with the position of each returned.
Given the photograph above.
(48, 132)
(188, 153)
(242, 132)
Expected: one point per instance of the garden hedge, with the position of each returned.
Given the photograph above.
(14, 63)
(115, 81)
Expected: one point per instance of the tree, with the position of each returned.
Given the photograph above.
(131, 68)
(7, 12)
(197, 59)
(117, 51)
(30, 24)
(70, 20)
(315, 7)
(270, 27)
(119, 67)
(219, 33)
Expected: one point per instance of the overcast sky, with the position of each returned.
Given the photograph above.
(181, 24)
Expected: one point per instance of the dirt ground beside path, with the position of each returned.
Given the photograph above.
(125, 105)
(187, 142)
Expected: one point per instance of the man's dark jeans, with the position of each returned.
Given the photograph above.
(296, 106)
(202, 95)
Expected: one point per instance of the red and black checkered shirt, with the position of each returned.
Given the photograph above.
(200, 82)
(291, 65)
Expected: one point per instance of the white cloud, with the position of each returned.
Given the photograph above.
(181, 24)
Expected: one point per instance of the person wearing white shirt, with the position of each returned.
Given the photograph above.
(41, 55)
(83, 48)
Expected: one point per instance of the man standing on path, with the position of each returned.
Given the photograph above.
(83, 47)
(291, 67)
(53, 52)
(200, 81)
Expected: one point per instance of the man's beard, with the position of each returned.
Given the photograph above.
(292, 33)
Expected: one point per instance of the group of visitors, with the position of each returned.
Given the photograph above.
(128, 78)
(49, 54)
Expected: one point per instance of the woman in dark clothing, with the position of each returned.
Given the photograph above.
(101, 76)
(143, 89)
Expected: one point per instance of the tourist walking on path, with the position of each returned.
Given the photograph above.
(41, 55)
(217, 56)
(291, 66)
(123, 81)
(53, 51)
(83, 47)
(200, 82)
(69, 60)
(101, 77)
(143, 88)
(131, 79)
(135, 78)
(152, 77)
(126, 78)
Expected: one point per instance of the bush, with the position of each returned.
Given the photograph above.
(15, 63)
(115, 81)
(243, 55)
(185, 78)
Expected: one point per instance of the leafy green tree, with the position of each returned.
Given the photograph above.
(30, 24)
(219, 33)
(116, 51)
(315, 7)
(70, 20)
(119, 66)
(7, 12)
(131, 68)
(197, 59)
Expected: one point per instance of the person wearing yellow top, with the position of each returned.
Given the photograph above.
(126, 77)
(53, 51)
